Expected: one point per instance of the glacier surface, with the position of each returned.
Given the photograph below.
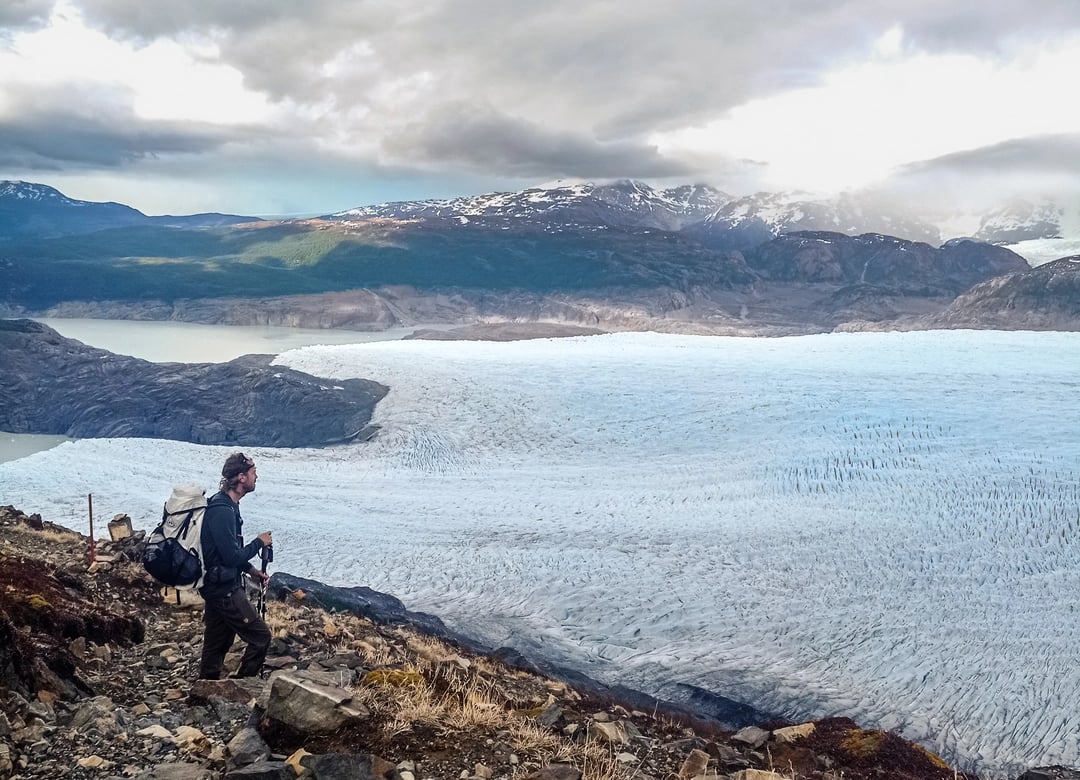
(882, 526)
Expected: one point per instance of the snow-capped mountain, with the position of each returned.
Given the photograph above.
(623, 204)
(1022, 220)
(28, 191)
(787, 212)
(699, 211)
(29, 210)
(36, 210)
(1040, 230)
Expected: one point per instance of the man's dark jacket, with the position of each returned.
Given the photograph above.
(225, 556)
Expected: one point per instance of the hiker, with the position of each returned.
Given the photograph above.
(229, 613)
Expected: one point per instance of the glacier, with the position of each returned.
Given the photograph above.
(881, 526)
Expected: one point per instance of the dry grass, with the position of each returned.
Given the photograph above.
(442, 696)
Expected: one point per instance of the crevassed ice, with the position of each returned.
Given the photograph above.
(882, 526)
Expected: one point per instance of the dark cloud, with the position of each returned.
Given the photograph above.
(482, 139)
(983, 178)
(986, 28)
(142, 20)
(55, 141)
(1047, 154)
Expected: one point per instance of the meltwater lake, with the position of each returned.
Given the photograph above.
(883, 526)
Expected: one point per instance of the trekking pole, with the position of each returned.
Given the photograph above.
(267, 556)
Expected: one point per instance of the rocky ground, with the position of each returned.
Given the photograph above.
(97, 680)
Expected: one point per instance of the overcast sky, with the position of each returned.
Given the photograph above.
(275, 106)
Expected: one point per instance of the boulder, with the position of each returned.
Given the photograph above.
(346, 766)
(311, 707)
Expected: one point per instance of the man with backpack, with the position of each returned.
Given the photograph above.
(228, 612)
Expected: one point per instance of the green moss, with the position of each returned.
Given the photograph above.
(863, 744)
(38, 602)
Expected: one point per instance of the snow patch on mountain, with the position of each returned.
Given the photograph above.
(29, 191)
(624, 203)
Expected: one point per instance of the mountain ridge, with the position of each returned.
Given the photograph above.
(611, 257)
(29, 209)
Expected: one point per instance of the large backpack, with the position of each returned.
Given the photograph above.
(173, 553)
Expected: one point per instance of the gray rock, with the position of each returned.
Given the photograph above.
(346, 766)
(310, 706)
(752, 736)
(550, 715)
(177, 771)
(1051, 773)
(247, 747)
(263, 770)
(556, 772)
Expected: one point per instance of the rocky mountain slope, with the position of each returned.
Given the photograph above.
(51, 384)
(1026, 220)
(743, 223)
(97, 680)
(1043, 298)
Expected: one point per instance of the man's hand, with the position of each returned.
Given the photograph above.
(267, 538)
(261, 577)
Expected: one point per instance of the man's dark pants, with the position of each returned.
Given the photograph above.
(227, 617)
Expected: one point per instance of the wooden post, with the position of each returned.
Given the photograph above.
(93, 547)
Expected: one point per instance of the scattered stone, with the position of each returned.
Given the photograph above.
(94, 762)
(120, 528)
(347, 766)
(295, 760)
(694, 765)
(192, 740)
(156, 731)
(752, 736)
(177, 771)
(792, 733)
(614, 733)
(263, 770)
(247, 747)
(556, 772)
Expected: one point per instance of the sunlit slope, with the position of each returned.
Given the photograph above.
(274, 259)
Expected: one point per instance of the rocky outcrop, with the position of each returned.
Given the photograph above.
(909, 268)
(1043, 298)
(380, 608)
(54, 385)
